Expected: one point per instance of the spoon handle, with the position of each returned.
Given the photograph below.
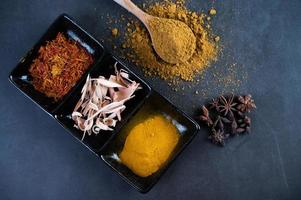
(132, 8)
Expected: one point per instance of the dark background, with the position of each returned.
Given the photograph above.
(39, 160)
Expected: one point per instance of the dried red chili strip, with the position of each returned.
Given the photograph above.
(60, 64)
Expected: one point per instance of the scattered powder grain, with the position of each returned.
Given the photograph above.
(217, 38)
(212, 11)
(115, 32)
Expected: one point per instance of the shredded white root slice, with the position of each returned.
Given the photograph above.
(102, 102)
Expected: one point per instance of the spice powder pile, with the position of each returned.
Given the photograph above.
(142, 54)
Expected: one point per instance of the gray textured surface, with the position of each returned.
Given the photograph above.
(38, 160)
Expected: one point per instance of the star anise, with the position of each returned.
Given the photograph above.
(214, 104)
(246, 129)
(218, 123)
(246, 103)
(234, 127)
(240, 130)
(245, 125)
(227, 105)
(218, 137)
(205, 117)
(233, 122)
(226, 115)
(247, 120)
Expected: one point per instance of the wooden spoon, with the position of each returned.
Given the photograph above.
(172, 40)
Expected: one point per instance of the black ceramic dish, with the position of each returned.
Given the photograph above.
(20, 76)
(97, 142)
(159, 104)
(106, 142)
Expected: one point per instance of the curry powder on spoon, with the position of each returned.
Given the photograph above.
(141, 52)
(172, 39)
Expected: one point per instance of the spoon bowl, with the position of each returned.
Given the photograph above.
(173, 41)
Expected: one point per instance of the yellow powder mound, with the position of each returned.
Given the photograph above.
(142, 53)
(149, 145)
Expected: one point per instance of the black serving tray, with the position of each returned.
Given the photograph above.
(105, 68)
(20, 76)
(105, 143)
(161, 105)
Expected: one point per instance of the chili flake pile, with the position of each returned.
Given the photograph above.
(60, 64)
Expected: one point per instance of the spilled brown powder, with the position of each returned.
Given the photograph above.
(172, 40)
(224, 76)
(212, 11)
(114, 32)
(142, 54)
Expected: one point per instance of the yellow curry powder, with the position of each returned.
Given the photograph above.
(149, 145)
(142, 54)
